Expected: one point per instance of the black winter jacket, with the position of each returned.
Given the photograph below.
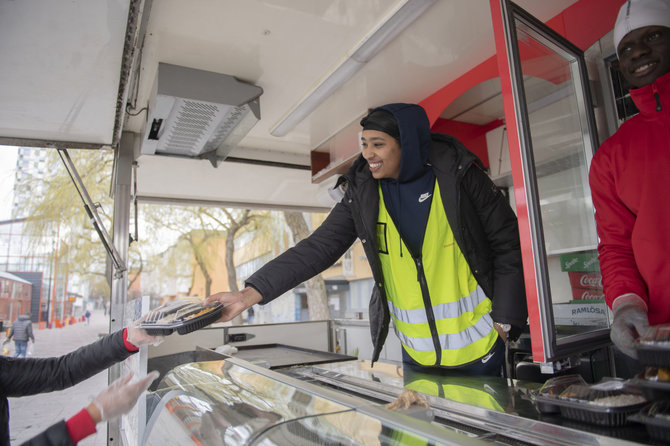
(480, 217)
(30, 376)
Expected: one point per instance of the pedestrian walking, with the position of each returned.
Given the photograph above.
(88, 317)
(22, 331)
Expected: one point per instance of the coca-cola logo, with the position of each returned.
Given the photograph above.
(587, 295)
(591, 281)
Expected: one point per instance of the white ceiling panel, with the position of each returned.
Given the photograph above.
(62, 75)
(61, 63)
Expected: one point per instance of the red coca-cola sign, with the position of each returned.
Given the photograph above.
(592, 281)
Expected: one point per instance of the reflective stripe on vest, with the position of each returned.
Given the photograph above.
(457, 311)
(455, 392)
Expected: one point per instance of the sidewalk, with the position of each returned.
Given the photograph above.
(30, 415)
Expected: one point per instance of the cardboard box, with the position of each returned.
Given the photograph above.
(580, 261)
(581, 313)
(588, 294)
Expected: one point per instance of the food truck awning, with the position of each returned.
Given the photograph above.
(77, 74)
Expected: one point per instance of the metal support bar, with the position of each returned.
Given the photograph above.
(91, 210)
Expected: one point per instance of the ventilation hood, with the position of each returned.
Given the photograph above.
(198, 114)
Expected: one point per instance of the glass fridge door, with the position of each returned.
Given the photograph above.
(554, 138)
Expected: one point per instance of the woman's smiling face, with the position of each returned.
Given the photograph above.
(383, 154)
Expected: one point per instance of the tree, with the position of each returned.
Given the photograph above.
(317, 300)
(55, 210)
(209, 224)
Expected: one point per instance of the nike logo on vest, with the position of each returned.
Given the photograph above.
(424, 196)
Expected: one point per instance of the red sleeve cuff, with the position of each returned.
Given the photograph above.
(130, 347)
(80, 426)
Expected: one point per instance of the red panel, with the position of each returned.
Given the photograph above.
(586, 21)
(472, 135)
(582, 23)
(438, 101)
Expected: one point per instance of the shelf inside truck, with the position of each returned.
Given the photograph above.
(281, 355)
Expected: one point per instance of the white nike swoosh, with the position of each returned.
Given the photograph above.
(423, 198)
(486, 358)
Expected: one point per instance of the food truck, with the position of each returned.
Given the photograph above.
(256, 104)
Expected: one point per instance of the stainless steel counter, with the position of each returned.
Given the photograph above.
(486, 408)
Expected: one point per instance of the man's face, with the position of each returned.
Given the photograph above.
(644, 55)
(383, 154)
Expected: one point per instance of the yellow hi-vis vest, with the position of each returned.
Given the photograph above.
(440, 313)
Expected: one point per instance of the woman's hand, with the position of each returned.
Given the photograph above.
(235, 302)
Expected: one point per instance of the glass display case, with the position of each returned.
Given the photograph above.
(234, 402)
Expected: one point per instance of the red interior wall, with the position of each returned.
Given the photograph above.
(582, 23)
(471, 135)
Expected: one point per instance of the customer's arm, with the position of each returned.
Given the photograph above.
(30, 376)
(114, 401)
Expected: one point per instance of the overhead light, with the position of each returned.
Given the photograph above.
(387, 30)
(198, 114)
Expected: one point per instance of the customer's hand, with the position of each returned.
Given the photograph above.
(630, 322)
(139, 336)
(119, 397)
(235, 302)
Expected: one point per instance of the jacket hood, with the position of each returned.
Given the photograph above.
(414, 139)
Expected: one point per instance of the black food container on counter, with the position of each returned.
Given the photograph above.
(653, 348)
(550, 391)
(183, 316)
(656, 418)
(608, 403)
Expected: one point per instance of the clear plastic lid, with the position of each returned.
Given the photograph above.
(659, 409)
(554, 386)
(657, 335)
(174, 311)
(185, 315)
(610, 392)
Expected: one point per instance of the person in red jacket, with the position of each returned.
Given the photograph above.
(628, 179)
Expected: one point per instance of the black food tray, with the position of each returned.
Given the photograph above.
(186, 322)
(653, 355)
(281, 355)
(658, 428)
(652, 390)
(592, 413)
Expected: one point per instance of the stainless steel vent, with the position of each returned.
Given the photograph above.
(198, 113)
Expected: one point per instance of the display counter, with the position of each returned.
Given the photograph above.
(234, 401)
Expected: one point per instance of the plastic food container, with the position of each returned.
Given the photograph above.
(654, 382)
(608, 403)
(656, 418)
(551, 389)
(653, 348)
(184, 316)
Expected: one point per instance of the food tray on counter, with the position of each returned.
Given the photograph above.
(550, 391)
(656, 418)
(652, 389)
(592, 413)
(653, 348)
(184, 316)
(608, 403)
